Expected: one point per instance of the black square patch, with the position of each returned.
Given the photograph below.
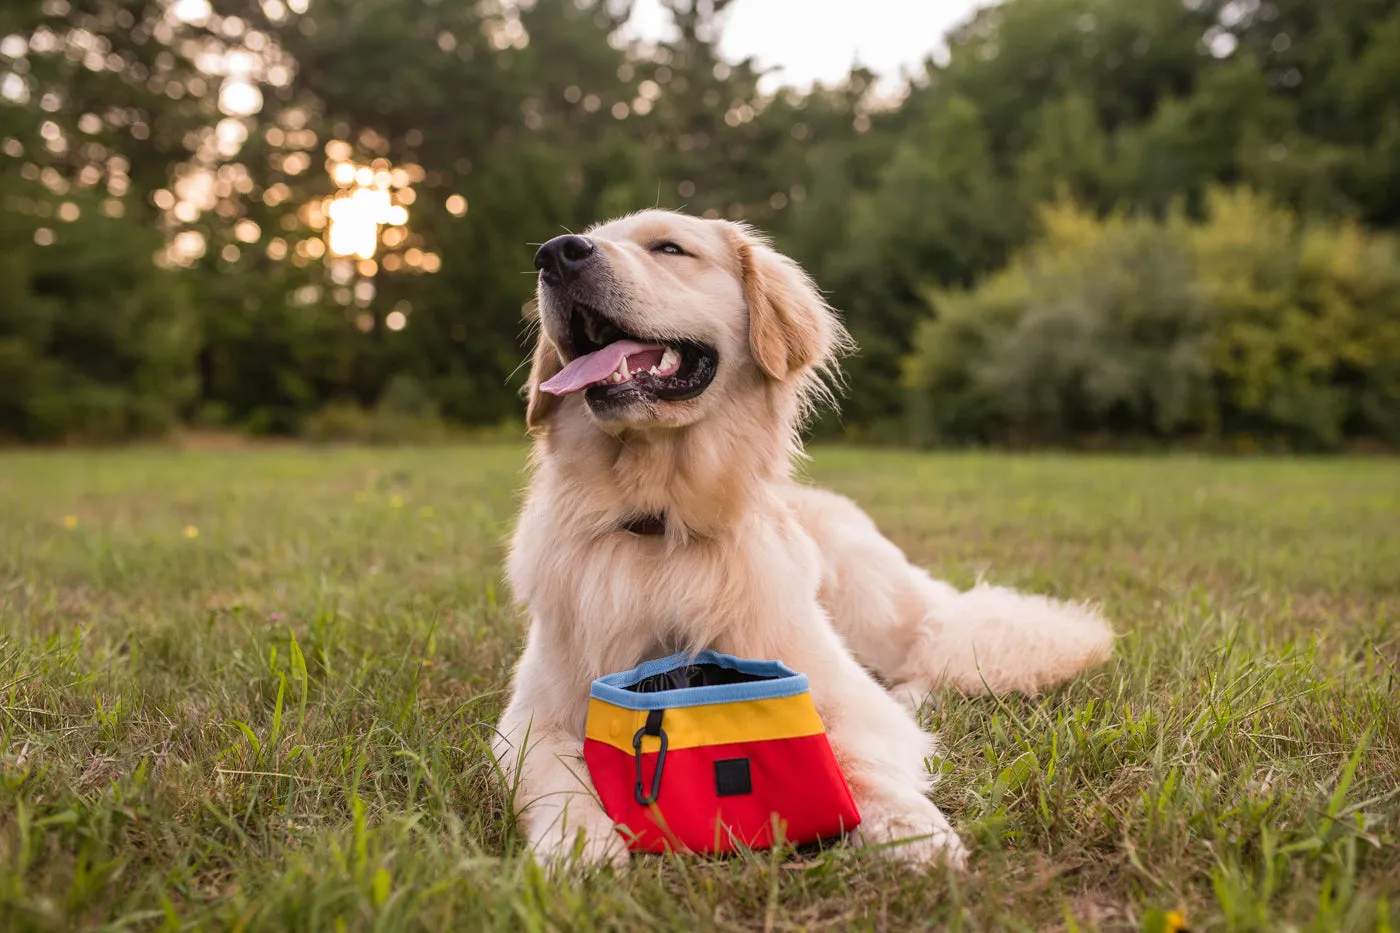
(732, 777)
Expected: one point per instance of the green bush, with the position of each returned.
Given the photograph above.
(342, 423)
(406, 396)
(406, 414)
(1307, 340)
(1246, 324)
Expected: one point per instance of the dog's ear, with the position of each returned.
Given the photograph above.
(791, 327)
(544, 364)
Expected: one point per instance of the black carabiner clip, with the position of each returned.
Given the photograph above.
(653, 727)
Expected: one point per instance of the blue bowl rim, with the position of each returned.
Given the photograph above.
(782, 681)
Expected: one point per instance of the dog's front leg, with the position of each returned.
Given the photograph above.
(539, 748)
(879, 746)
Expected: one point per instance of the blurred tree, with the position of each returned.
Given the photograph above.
(477, 97)
(95, 104)
(939, 213)
(95, 341)
(217, 136)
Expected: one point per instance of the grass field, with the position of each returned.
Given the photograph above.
(250, 690)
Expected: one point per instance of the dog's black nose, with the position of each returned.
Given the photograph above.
(562, 258)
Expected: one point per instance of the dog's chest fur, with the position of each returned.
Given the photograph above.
(618, 598)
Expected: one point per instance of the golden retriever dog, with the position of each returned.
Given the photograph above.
(675, 363)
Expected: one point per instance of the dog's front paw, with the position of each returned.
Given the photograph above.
(912, 694)
(579, 843)
(909, 831)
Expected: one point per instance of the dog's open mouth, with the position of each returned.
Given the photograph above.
(615, 366)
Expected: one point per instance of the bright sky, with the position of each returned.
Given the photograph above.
(818, 40)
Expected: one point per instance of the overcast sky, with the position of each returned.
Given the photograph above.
(818, 40)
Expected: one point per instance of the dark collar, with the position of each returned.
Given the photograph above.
(653, 524)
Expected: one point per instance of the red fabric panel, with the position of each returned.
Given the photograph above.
(797, 779)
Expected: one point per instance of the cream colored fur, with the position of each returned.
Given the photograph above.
(751, 564)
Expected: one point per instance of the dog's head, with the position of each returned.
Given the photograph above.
(657, 317)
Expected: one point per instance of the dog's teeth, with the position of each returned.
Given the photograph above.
(622, 368)
(668, 359)
(652, 370)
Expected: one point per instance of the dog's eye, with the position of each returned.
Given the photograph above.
(669, 249)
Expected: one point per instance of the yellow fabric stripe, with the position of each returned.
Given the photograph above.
(715, 724)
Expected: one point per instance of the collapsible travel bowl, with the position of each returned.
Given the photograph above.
(707, 753)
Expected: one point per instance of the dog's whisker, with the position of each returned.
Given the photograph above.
(523, 363)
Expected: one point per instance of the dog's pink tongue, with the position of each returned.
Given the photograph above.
(592, 368)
